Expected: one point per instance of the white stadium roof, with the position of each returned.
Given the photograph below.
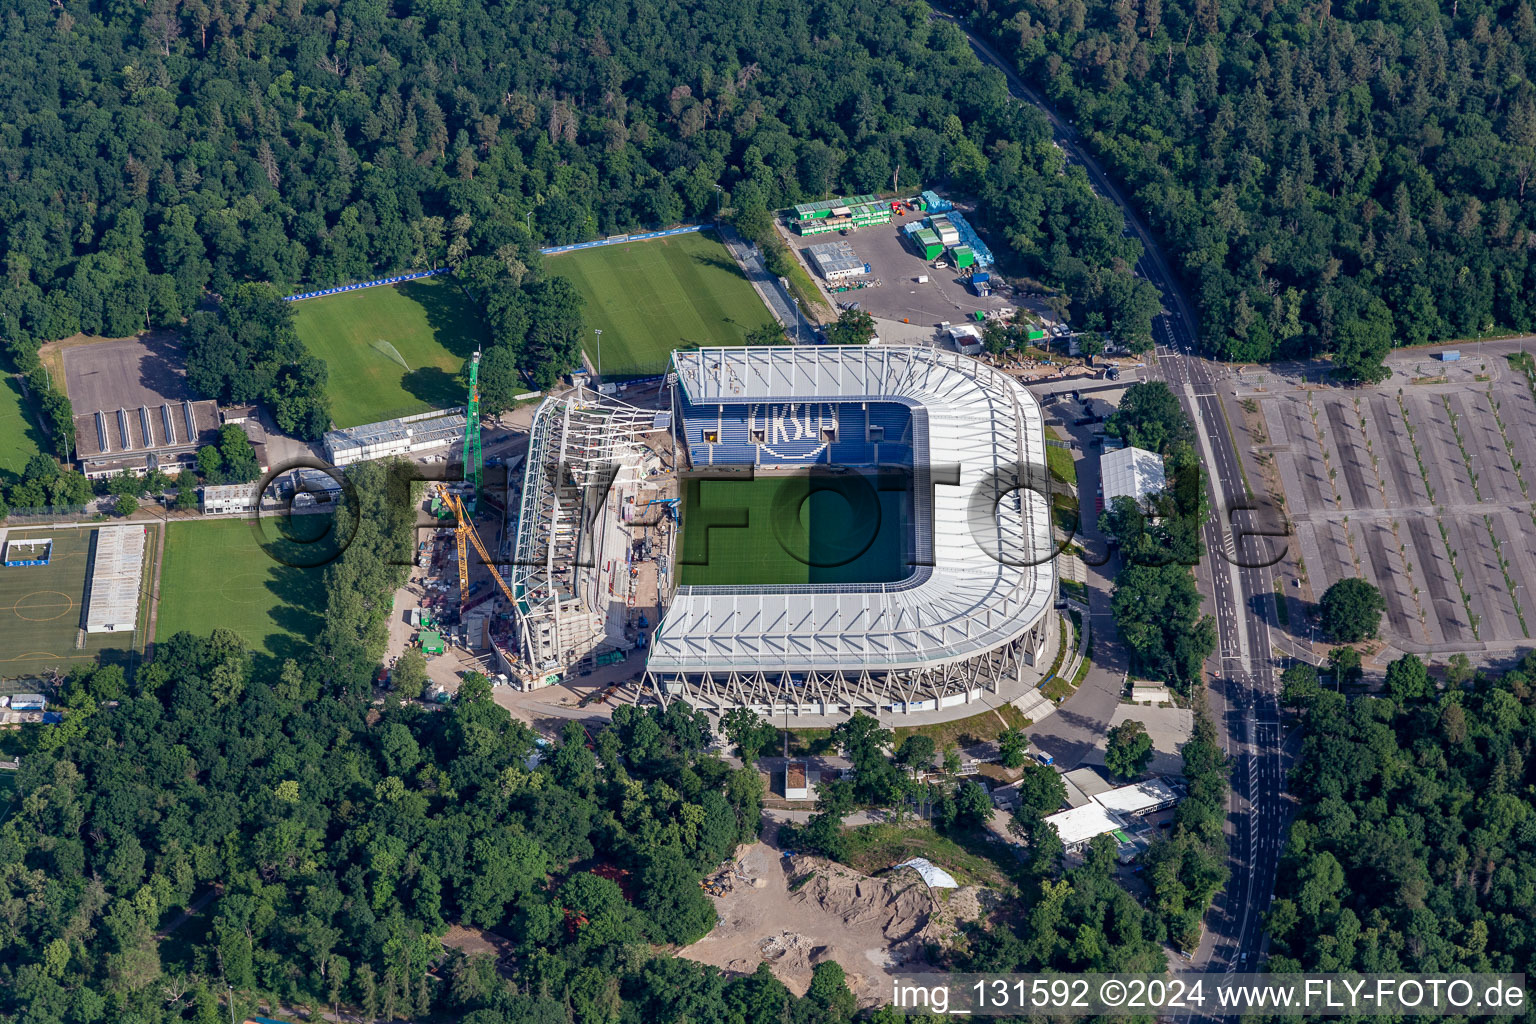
(985, 574)
(1132, 473)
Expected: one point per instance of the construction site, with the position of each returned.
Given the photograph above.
(557, 574)
(793, 911)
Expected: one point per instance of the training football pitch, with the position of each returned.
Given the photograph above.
(392, 350)
(19, 436)
(651, 297)
(219, 574)
(41, 608)
(791, 530)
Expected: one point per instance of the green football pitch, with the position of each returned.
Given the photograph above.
(219, 573)
(651, 297)
(792, 530)
(392, 350)
(19, 437)
(41, 608)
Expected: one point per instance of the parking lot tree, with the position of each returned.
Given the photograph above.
(1351, 610)
(1459, 671)
(1012, 747)
(852, 327)
(751, 734)
(1364, 341)
(1344, 662)
(1150, 417)
(1128, 749)
(126, 505)
(1408, 679)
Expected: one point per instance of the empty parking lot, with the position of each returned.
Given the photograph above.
(1421, 485)
(125, 373)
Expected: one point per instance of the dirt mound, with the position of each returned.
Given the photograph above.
(899, 907)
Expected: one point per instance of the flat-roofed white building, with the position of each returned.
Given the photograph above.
(1080, 825)
(1132, 473)
(1138, 798)
(407, 435)
(230, 499)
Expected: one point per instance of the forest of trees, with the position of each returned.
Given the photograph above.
(1414, 848)
(1331, 178)
(342, 839)
(165, 152)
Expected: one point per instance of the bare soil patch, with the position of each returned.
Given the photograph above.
(795, 913)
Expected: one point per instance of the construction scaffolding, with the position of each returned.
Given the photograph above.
(583, 449)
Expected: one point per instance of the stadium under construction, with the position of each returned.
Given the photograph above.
(829, 530)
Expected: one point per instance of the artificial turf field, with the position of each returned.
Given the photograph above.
(41, 605)
(219, 574)
(651, 297)
(431, 324)
(793, 530)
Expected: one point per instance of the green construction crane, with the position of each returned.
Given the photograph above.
(473, 466)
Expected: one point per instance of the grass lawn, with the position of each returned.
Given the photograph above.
(872, 849)
(803, 287)
(20, 438)
(218, 574)
(807, 742)
(430, 324)
(792, 530)
(965, 732)
(649, 298)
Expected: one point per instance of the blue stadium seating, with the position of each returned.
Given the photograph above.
(798, 434)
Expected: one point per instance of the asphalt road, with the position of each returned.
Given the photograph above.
(785, 310)
(1243, 682)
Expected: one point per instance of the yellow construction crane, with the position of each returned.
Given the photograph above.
(466, 531)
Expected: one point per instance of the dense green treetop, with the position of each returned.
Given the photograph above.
(1330, 178)
(1351, 609)
(159, 152)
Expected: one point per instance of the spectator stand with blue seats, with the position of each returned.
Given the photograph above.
(790, 434)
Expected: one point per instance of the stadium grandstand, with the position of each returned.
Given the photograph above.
(971, 612)
(572, 551)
